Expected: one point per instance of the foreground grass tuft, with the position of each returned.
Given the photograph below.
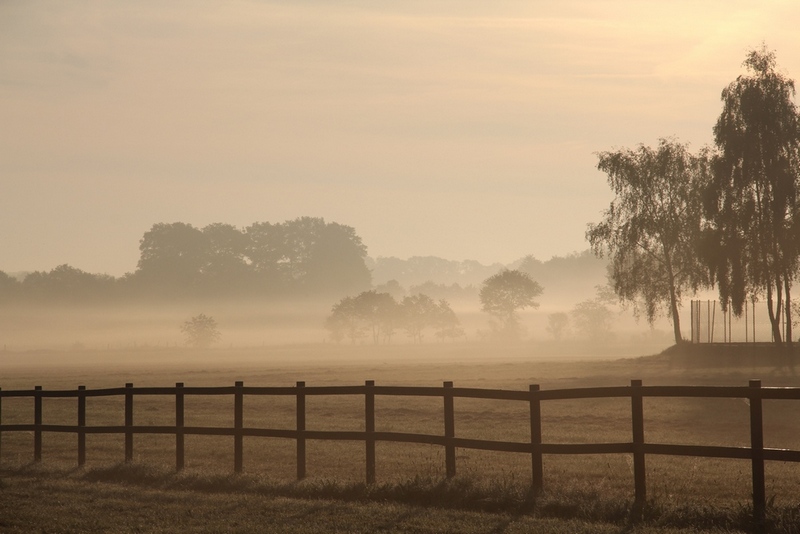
(462, 493)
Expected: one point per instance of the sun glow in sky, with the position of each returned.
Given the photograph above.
(465, 130)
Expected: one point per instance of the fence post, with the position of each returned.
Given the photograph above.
(1, 423)
(537, 473)
(238, 425)
(128, 422)
(301, 428)
(81, 426)
(757, 452)
(449, 431)
(179, 422)
(369, 426)
(639, 475)
(37, 421)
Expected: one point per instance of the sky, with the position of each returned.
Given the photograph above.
(460, 129)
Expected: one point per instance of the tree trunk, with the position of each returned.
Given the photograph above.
(676, 320)
(787, 286)
(673, 301)
(775, 313)
(789, 342)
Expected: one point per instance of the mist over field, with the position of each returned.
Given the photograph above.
(282, 283)
(474, 267)
(254, 322)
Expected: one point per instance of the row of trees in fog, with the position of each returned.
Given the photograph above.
(304, 256)
(727, 216)
(379, 313)
(379, 316)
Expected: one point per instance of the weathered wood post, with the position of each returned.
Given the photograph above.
(301, 428)
(1, 423)
(639, 474)
(537, 472)
(128, 422)
(37, 421)
(757, 451)
(81, 425)
(179, 423)
(369, 427)
(449, 431)
(238, 425)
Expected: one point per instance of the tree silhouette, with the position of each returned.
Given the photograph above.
(592, 319)
(506, 292)
(369, 311)
(652, 226)
(345, 321)
(225, 270)
(9, 287)
(172, 256)
(557, 324)
(419, 312)
(447, 324)
(67, 284)
(753, 245)
(200, 331)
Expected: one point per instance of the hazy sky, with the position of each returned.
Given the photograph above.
(461, 129)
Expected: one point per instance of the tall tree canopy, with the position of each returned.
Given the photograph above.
(171, 258)
(753, 242)
(650, 229)
(226, 269)
(301, 256)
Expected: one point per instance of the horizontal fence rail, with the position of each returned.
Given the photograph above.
(754, 394)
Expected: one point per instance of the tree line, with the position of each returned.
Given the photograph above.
(379, 315)
(727, 217)
(300, 257)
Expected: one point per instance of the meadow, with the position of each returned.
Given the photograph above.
(490, 493)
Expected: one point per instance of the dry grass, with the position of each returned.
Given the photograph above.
(684, 492)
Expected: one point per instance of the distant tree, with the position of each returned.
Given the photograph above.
(419, 312)
(379, 311)
(592, 320)
(304, 256)
(557, 324)
(345, 321)
(171, 258)
(9, 287)
(225, 270)
(67, 284)
(533, 267)
(392, 287)
(568, 278)
(266, 253)
(200, 331)
(308, 255)
(651, 229)
(447, 323)
(334, 262)
(369, 311)
(752, 202)
(506, 292)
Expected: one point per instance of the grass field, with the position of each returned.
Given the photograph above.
(490, 494)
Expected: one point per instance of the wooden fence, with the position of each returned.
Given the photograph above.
(754, 393)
